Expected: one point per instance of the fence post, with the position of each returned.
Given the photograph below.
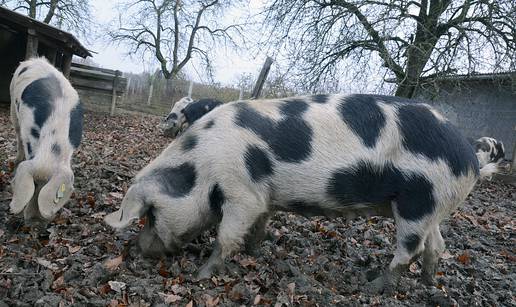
(241, 94)
(151, 89)
(113, 94)
(261, 78)
(190, 88)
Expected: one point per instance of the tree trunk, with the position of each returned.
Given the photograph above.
(32, 9)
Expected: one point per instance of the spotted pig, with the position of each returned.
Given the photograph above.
(185, 112)
(47, 116)
(329, 155)
(490, 153)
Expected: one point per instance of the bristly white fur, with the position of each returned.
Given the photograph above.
(48, 170)
(219, 159)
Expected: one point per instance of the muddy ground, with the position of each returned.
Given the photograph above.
(79, 261)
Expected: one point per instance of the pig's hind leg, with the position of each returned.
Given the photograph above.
(434, 247)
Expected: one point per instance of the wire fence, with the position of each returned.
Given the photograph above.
(155, 95)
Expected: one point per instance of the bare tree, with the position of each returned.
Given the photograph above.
(174, 31)
(71, 15)
(412, 39)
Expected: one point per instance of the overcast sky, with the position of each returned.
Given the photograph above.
(228, 64)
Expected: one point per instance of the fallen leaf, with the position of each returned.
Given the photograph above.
(112, 264)
(464, 258)
(248, 262)
(163, 269)
(170, 298)
(104, 289)
(74, 249)
(117, 286)
(257, 299)
(58, 283)
(47, 264)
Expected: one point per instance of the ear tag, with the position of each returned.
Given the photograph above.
(60, 193)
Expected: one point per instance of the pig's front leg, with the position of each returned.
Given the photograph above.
(237, 223)
(257, 234)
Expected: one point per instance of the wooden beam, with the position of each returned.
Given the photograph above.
(261, 78)
(67, 64)
(113, 93)
(32, 44)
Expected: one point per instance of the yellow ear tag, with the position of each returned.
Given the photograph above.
(60, 193)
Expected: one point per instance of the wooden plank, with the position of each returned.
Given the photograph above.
(32, 44)
(67, 64)
(113, 94)
(261, 78)
(88, 67)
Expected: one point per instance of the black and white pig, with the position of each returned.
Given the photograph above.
(185, 112)
(47, 116)
(330, 155)
(490, 153)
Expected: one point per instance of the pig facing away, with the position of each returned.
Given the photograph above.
(185, 112)
(47, 116)
(490, 153)
(330, 155)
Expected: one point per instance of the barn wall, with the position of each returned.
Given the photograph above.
(479, 108)
(12, 51)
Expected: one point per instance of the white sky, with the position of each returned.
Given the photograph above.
(228, 64)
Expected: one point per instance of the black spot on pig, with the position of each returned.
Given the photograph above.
(34, 132)
(292, 141)
(24, 69)
(39, 96)
(363, 116)
(76, 122)
(290, 138)
(411, 242)
(189, 142)
(425, 134)
(481, 146)
(216, 200)
(172, 116)
(321, 98)
(498, 152)
(248, 118)
(293, 107)
(199, 108)
(56, 149)
(175, 181)
(257, 163)
(29, 150)
(209, 124)
(364, 183)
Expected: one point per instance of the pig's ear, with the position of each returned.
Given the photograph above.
(56, 193)
(132, 208)
(23, 187)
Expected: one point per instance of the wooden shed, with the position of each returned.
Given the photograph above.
(22, 37)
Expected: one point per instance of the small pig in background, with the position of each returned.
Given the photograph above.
(48, 117)
(330, 155)
(490, 153)
(185, 112)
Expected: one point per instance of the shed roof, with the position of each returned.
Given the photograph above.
(19, 22)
